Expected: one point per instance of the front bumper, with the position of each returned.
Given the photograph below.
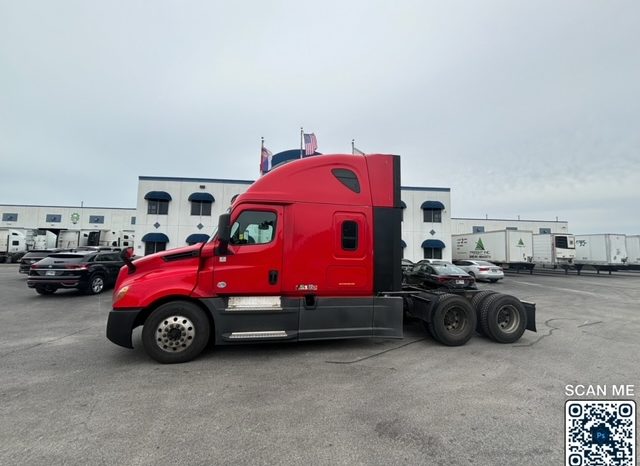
(120, 325)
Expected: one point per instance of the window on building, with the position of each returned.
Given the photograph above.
(432, 253)
(54, 218)
(133, 220)
(432, 211)
(96, 218)
(201, 208)
(9, 217)
(158, 207)
(432, 215)
(154, 246)
(253, 227)
(545, 231)
(478, 229)
(349, 235)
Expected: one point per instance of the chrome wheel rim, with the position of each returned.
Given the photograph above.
(97, 284)
(175, 334)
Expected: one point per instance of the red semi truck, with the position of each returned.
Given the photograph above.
(312, 250)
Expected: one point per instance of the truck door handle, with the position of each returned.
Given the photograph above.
(273, 277)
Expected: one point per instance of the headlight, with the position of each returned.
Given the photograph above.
(120, 293)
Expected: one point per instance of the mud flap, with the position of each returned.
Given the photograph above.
(530, 309)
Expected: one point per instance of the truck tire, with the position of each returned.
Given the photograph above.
(96, 284)
(502, 318)
(453, 320)
(45, 290)
(175, 332)
(476, 304)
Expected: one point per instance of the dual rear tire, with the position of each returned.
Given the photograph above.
(454, 319)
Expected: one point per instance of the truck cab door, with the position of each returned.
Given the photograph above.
(252, 265)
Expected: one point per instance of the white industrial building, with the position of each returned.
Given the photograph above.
(480, 225)
(71, 226)
(172, 212)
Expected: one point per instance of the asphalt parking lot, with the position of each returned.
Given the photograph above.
(69, 396)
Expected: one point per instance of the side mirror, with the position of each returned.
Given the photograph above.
(126, 254)
(224, 233)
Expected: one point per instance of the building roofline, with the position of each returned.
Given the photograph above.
(67, 207)
(200, 180)
(508, 220)
(415, 188)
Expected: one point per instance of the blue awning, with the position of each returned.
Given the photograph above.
(433, 243)
(432, 205)
(403, 244)
(202, 197)
(157, 196)
(197, 238)
(403, 205)
(155, 238)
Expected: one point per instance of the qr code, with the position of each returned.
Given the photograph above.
(600, 433)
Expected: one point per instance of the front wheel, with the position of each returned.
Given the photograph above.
(175, 332)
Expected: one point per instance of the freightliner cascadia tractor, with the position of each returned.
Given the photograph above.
(312, 250)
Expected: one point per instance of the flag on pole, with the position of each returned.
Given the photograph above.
(310, 144)
(265, 159)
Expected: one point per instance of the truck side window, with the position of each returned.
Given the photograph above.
(349, 235)
(347, 178)
(253, 227)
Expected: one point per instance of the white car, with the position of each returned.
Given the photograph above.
(481, 270)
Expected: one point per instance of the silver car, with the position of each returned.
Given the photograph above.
(481, 270)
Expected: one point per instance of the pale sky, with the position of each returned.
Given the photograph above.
(527, 108)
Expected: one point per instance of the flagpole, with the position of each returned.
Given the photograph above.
(301, 141)
(261, 152)
(353, 147)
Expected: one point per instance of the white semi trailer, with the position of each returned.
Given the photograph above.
(556, 250)
(633, 251)
(13, 245)
(511, 249)
(605, 251)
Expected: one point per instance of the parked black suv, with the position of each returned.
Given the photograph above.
(89, 271)
(34, 256)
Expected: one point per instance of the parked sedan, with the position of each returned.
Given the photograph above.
(406, 265)
(442, 275)
(481, 270)
(89, 271)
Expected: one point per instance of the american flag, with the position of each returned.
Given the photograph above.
(310, 144)
(265, 160)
